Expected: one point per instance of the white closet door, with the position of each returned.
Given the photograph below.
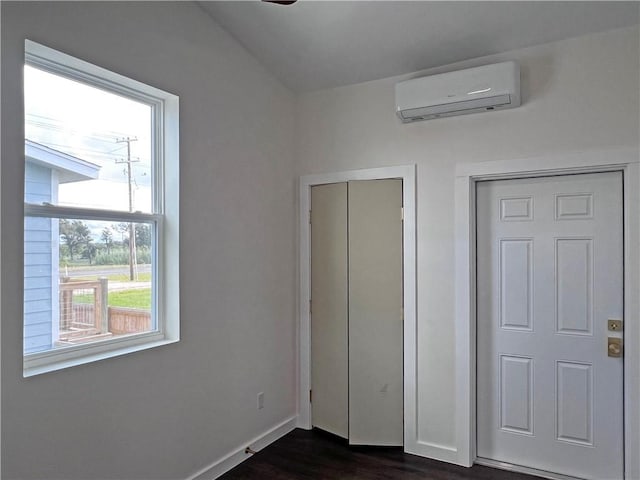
(375, 313)
(329, 324)
(550, 276)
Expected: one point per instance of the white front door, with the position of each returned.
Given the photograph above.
(549, 277)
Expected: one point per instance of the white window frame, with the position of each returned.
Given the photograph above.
(165, 213)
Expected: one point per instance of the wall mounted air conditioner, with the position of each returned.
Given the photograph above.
(479, 89)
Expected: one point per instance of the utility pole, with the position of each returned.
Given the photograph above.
(133, 263)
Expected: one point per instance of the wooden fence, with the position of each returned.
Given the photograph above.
(81, 320)
(124, 320)
(88, 317)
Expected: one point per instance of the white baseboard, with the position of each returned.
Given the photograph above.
(236, 457)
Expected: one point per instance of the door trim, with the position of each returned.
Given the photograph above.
(408, 175)
(624, 160)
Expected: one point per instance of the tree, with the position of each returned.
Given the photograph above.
(122, 228)
(143, 235)
(90, 252)
(107, 238)
(75, 235)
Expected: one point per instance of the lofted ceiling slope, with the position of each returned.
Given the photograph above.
(313, 45)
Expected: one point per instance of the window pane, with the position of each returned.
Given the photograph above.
(85, 146)
(84, 281)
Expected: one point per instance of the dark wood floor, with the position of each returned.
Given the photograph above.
(316, 455)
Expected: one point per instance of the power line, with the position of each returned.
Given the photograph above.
(108, 155)
(107, 138)
(45, 121)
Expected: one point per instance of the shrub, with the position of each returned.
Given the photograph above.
(121, 256)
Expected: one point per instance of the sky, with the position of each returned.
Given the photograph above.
(90, 123)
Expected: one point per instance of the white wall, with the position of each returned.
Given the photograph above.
(579, 94)
(167, 412)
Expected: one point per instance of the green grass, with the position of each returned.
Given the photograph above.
(137, 298)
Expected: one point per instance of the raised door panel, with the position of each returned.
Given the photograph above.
(574, 396)
(516, 394)
(574, 285)
(516, 284)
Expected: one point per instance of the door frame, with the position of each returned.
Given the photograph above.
(467, 175)
(408, 175)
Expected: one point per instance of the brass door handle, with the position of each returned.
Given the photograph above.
(614, 348)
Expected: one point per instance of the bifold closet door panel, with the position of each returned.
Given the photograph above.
(375, 312)
(329, 321)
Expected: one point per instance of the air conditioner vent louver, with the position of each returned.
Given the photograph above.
(480, 89)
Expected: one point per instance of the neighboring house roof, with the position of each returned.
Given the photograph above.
(69, 168)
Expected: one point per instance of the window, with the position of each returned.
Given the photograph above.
(100, 213)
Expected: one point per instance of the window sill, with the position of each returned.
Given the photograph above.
(51, 361)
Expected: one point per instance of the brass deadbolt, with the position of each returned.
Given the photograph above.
(614, 348)
(614, 325)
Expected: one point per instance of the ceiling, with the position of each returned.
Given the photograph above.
(313, 45)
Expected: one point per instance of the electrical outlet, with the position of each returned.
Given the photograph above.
(260, 400)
